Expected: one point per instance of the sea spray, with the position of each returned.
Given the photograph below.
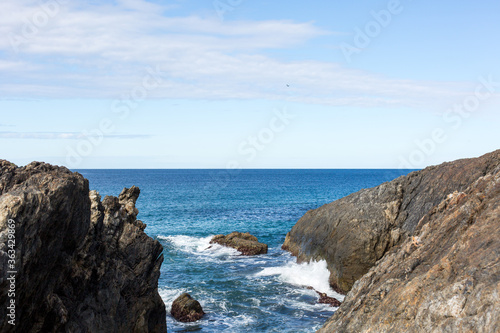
(199, 246)
(314, 274)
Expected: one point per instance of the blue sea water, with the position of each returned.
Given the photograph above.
(183, 209)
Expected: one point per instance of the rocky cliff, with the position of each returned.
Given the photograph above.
(352, 233)
(81, 265)
(418, 254)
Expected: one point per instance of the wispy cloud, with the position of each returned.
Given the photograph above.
(64, 136)
(102, 51)
(15, 65)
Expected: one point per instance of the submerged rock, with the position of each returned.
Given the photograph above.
(186, 309)
(82, 265)
(244, 242)
(353, 233)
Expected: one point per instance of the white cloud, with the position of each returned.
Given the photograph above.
(63, 136)
(15, 65)
(103, 51)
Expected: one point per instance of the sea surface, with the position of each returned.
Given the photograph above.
(183, 209)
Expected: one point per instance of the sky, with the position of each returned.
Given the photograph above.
(248, 83)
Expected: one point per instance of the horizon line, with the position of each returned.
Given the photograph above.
(240, 169)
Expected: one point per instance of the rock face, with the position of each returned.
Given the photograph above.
(186, 309)
(247, 244)
(82, 265)
(444, 278)
(353, 233)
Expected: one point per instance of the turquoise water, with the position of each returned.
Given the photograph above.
(185, 208)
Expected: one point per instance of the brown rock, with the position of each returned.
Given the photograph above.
(445, 278)
(186, 309)
(247, 244)
(352, 233)
(325, 299)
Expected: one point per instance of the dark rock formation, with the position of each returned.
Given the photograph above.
(446, 276)
(186, 309)
(352, 233)
(82, 265)
(247, 244)
(325, 299)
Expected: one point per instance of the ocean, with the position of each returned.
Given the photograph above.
(183, 209)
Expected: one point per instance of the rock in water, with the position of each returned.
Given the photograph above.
(82, 265)
(352, 233)
(186, 309)
(247, 244)
(325, 299)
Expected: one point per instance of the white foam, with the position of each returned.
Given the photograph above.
(169, 295)
(314, 274)
(239, 321)
(255, 301)
(199, 246)
(232, 323)
(307, 306)
(218, 312)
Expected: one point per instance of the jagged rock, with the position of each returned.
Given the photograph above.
(352, 233)
(186, 309)
(325, 299)
(445, 277)
(82, 265)
(247, 244)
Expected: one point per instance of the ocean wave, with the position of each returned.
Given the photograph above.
(169, 295)
(218, 312)
(314, 274)
(199, 246)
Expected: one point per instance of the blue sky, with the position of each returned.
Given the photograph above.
(248, 84)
